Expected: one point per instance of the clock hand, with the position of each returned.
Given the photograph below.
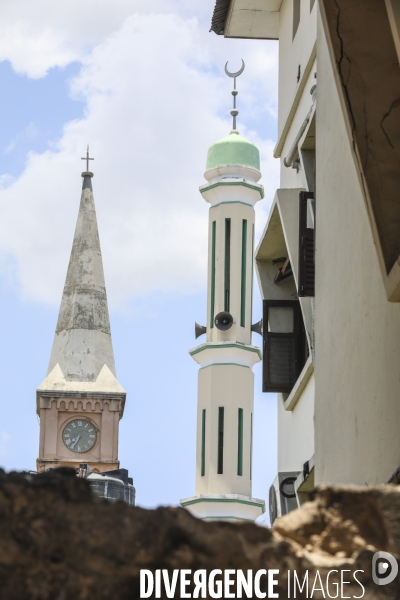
(76, 440)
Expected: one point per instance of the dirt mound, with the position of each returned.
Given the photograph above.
(58, 542)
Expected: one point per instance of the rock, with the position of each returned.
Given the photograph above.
(58, 542)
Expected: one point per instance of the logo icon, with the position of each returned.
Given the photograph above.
(384, 568)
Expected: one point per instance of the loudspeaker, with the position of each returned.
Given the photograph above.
(257, 327)
(223, 321)
(199, 330)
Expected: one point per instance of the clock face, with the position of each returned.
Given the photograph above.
(79, 435)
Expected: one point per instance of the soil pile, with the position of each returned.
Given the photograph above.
(58, 541)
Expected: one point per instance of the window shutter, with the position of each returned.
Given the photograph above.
(283, 345)
(306, 248)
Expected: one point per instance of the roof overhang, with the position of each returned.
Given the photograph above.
(257, 19)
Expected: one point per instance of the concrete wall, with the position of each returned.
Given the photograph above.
(231, 387)
(296, 431)
(289, 177)
(292, 54)
(357, 377)
(281, 238)
(236, 212)
(295, 427)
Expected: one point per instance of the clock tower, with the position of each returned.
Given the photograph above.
(81, 402)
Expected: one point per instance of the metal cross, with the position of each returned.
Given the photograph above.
(87, 158)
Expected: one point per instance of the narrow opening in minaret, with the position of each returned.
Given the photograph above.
(212, 303)
(227, 263)
(240, 442)
(220, 440)
(243, 282)
(203, 443)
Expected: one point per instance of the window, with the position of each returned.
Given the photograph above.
(227, 264)
(306, 244)
(296, 16)
(203, 442)
(240, 442)
(220, 463)
(284, 344)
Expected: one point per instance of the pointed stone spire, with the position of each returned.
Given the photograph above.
(82, 342)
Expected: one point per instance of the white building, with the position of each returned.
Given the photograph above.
(226, 381)
(328, 261)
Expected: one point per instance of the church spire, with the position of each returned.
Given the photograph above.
(82, 342)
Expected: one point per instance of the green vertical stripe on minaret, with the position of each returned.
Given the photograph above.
(203, 443)
(220, 457)
(251, 446)
(240, 442)
(252, 274)
(227, 282)
(213, 236)
(243, 286)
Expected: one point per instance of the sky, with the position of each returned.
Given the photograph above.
(143, 82)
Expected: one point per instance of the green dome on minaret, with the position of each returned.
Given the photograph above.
(233, 150)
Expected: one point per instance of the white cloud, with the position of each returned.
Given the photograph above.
(36, 36)
(155, 100)
(5, 180)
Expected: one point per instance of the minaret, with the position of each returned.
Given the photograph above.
(225, 380)
(81, 402)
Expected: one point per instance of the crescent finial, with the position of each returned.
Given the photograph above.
(234, 111)
(237, 72)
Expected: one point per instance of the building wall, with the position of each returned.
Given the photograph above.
(280, 238)
(293, 53)
(289, 177)
(357, 377)
(296, 432)
(295, 427)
